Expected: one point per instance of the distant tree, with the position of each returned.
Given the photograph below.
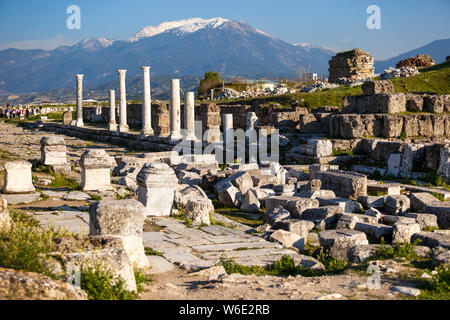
(211, 80)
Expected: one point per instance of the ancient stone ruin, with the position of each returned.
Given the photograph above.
(351, 66)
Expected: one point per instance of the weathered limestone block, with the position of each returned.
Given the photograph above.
(156, 189)
(339, 242)
(67, 117)
(411, 126)
(299, 227)
(199, 212)
(425, 126)
(402, 232)
(284, 189)
(374, 231)
(313, 168)
(228, 194)
(441, 210)
(349, 206)
(397, 205)
(347, 221)
(287, 239)
(122, 218)
(377, 86)
(440, 256)
(96, 167)
(18, 178)
(434, 103)
(250, 202)
(362, 253)
(20, 285)
(297, 206)
(350, 185)
(242, 180)
(432, 239)
(444, 163)
(53, 151)
(377, 103)
(390, 220)
(419, 200)
(392, 126)
(5, 219)
(330, 214)
(374, 213)
(276, 215)
(262, 179)
(372, 201)
(194, 193)
(424, 220)
(389, 189)
(314, 148)
(394, 163)
(410, 154)
(414, 102)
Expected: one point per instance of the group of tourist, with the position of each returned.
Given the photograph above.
(18, 112)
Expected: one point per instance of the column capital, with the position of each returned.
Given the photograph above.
(121, 72)
(145, 68)
(80, 76)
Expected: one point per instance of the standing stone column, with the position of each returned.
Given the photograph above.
(146, 104)
(79, 121)
(228, 137)
(112, 111)
(189, 116)
(175, 125)
(122, 127)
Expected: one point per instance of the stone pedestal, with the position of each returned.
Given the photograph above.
(156, 188)
(175, 114)
(112, 111)
(18, 177)
(95, 170)
(79, 121)
(67, 117)
(146, 104)
(189, 116)
(123, 219)
(123, 126)
(53, 151)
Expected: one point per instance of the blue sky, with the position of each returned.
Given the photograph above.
(336, 24)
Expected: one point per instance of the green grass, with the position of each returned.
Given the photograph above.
(283, 267)
(151, 252)
(438, 288)
(399, 250)
(61, 181)
(432, 79)
(95, 197)
(21, 248)
(340, 152)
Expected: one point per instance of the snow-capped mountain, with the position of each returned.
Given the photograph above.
(188, 47)
(179, 27)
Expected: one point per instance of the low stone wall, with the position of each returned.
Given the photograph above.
(389, 126)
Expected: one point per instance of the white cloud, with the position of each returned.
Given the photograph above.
(46, 44)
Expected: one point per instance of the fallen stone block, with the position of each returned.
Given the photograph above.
(390, 220)
(402, 232)
(374, 213)
(228, 194)
(361, 253)
(383, 189)
(377, 87)
(372, 201)
(275, 215)
(419, 200)
(440, 256)
(441, 210)
(299, 227)
(407, 290)
(375, 231)
(397, 204)
(296, 207)
(323, 194)
(259, 179)
(350, 185)
(347, 205)
(313, 168)
(330, 214)
(288, 239)
(432, 239)
(339, 242)
(250, 202)
(424, 220)
(347, 221)
(124, 219)
(199, 212)
(242, 180)
(284, 189)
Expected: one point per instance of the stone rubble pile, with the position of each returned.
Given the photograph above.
(318, 86)
(353, 65)
(402, 72)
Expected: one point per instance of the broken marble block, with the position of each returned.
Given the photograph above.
(402, 232)
(250, 202)
(329, 214)
(287, 239)
(276, 215)
(228, 194)
(349, 184)
(124, 219)
(397, 204)
(53, 151)
(156, 189)
(198, 212)
(338, 243)
(300, 227)
(18, 178)
(96, 167)
(419, 200)
(424, 220)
